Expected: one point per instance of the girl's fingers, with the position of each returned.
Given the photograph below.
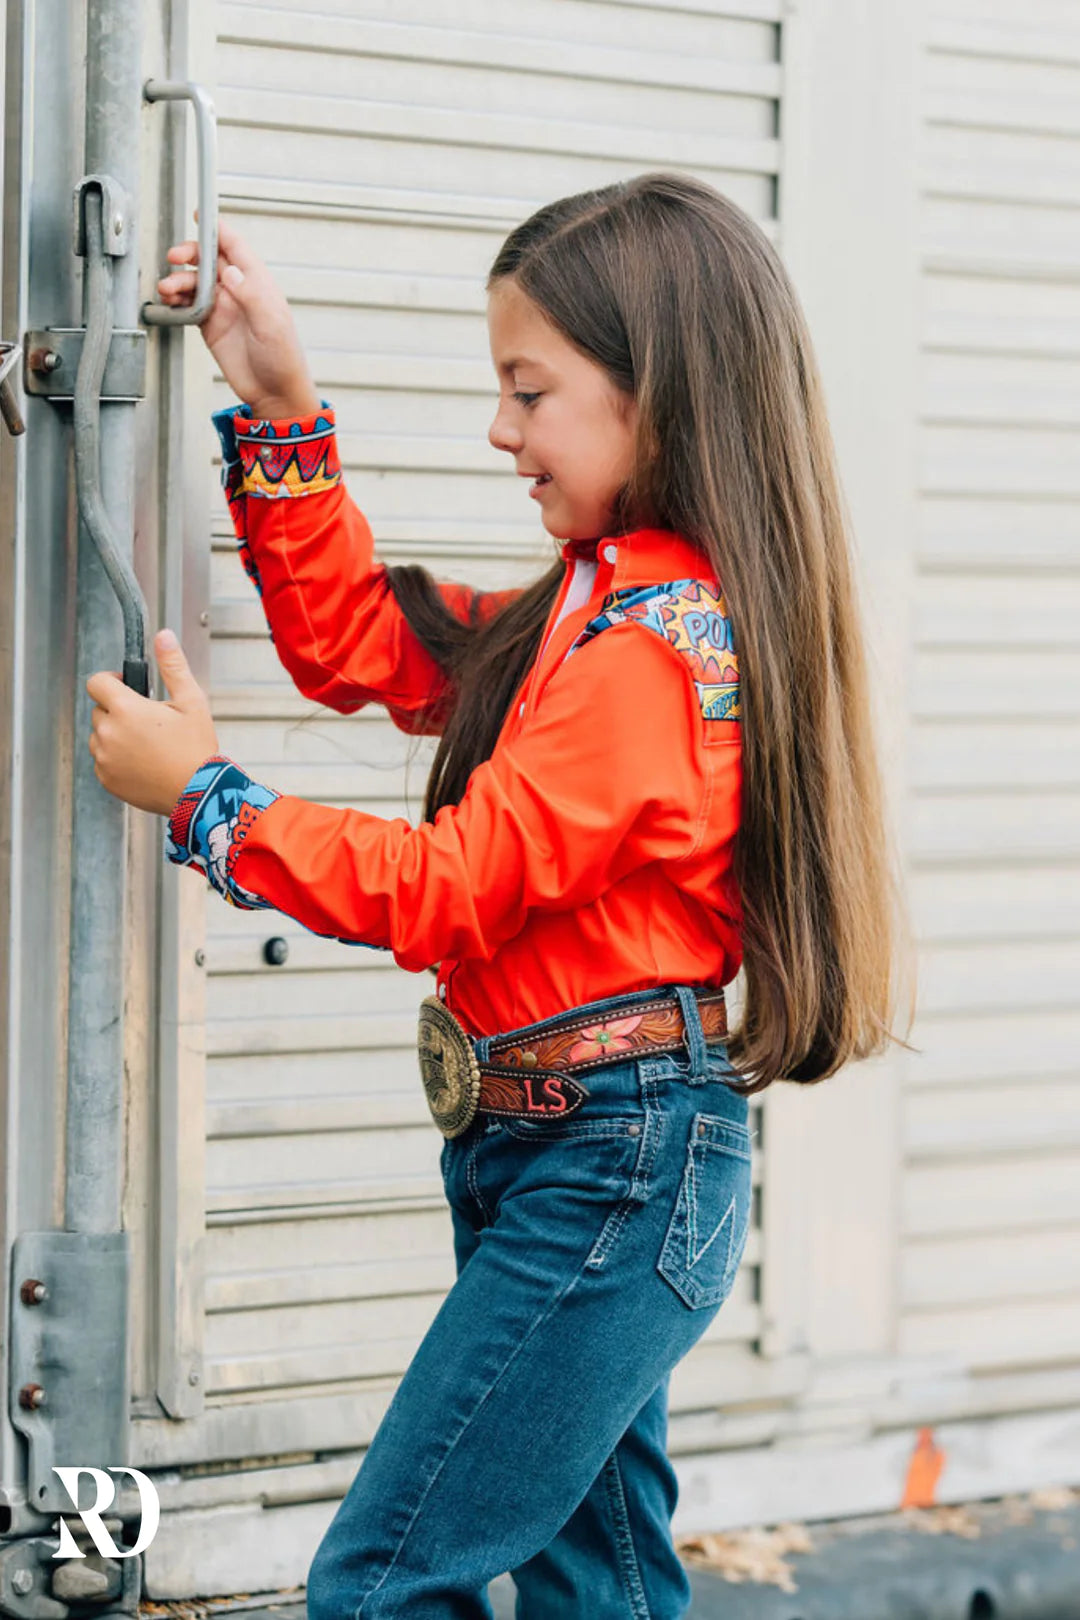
(235, 248)
(231, 248)
(185, 277)
(178, 281)
(183, 253)
(177, 289)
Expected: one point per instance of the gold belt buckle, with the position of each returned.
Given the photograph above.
(448, 1068)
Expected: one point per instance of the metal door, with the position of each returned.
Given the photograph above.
(96, 181)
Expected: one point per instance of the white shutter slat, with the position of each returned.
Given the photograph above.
(1005, 1194)
(473, 66)
(1018, 1114)
(991, 754)
(1003, 1042)
(969, 977)
(1006, 39)
(728, 23)
(982, 530)
(980, 905)
(982, 1271)
(1003, 830)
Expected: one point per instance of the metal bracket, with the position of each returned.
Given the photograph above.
(24, 1580)
(68, 1396)
(115, 215)
(52, 363)
(29, 1569)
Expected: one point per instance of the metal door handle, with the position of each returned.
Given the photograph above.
(10, 355)
(206, 150)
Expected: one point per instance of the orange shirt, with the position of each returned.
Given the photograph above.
(591, 854)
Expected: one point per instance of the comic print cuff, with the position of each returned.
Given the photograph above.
(210, 821)
(286, 456)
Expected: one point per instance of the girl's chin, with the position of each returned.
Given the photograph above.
(562, 525)
(573, 531)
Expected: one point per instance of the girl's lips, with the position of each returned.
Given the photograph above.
(541, 483)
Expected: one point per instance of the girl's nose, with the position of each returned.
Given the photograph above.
(502, 435)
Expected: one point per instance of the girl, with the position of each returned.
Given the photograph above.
(654, 763)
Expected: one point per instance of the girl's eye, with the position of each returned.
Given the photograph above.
(526, 399)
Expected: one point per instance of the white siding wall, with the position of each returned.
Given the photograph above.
(991, 1216)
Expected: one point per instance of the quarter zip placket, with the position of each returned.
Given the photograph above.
(577, 591)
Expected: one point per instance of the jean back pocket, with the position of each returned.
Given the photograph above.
(709, 1225)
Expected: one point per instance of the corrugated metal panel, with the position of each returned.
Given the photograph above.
(991, 1216)
(376, 158)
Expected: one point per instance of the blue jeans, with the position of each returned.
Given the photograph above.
(528, 1434)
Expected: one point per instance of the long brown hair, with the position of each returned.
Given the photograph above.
(680, 297)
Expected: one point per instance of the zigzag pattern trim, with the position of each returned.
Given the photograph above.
(288, 458)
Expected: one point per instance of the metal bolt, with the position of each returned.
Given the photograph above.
(276, 951)
(33, 1292)
(118, 225)
(22, 1581)
(204, 617)
(44, 360)
(193, 1378)
(31, 1396)
(200, 957)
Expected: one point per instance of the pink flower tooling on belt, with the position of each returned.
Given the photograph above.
(597, 1040)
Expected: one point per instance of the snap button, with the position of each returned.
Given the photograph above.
(610, 553)
(701, 1130)
(529, 1060)
(442, 992)
(521, 710)
(633, 1130)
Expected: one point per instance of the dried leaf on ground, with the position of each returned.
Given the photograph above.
(203, 1608)
(1053, 1498)
(750, 1555)
(1016, 1510)
(943, 1521)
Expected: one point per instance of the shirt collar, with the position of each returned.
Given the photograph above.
(643, 557)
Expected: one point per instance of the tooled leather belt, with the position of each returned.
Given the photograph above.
(533, 1078)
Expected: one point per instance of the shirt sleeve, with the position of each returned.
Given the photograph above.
(607, 775)
(309, 551)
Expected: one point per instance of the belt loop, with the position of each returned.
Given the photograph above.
(481, 1045)
(693, 1035)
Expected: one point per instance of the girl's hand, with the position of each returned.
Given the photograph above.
(146, 752)
(250, 329)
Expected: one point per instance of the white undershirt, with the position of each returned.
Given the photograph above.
(581, 584)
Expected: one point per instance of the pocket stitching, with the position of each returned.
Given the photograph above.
(681, 1277)
(693, 1253)
(529, 1130)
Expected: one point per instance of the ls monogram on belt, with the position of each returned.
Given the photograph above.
(533, 1079)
